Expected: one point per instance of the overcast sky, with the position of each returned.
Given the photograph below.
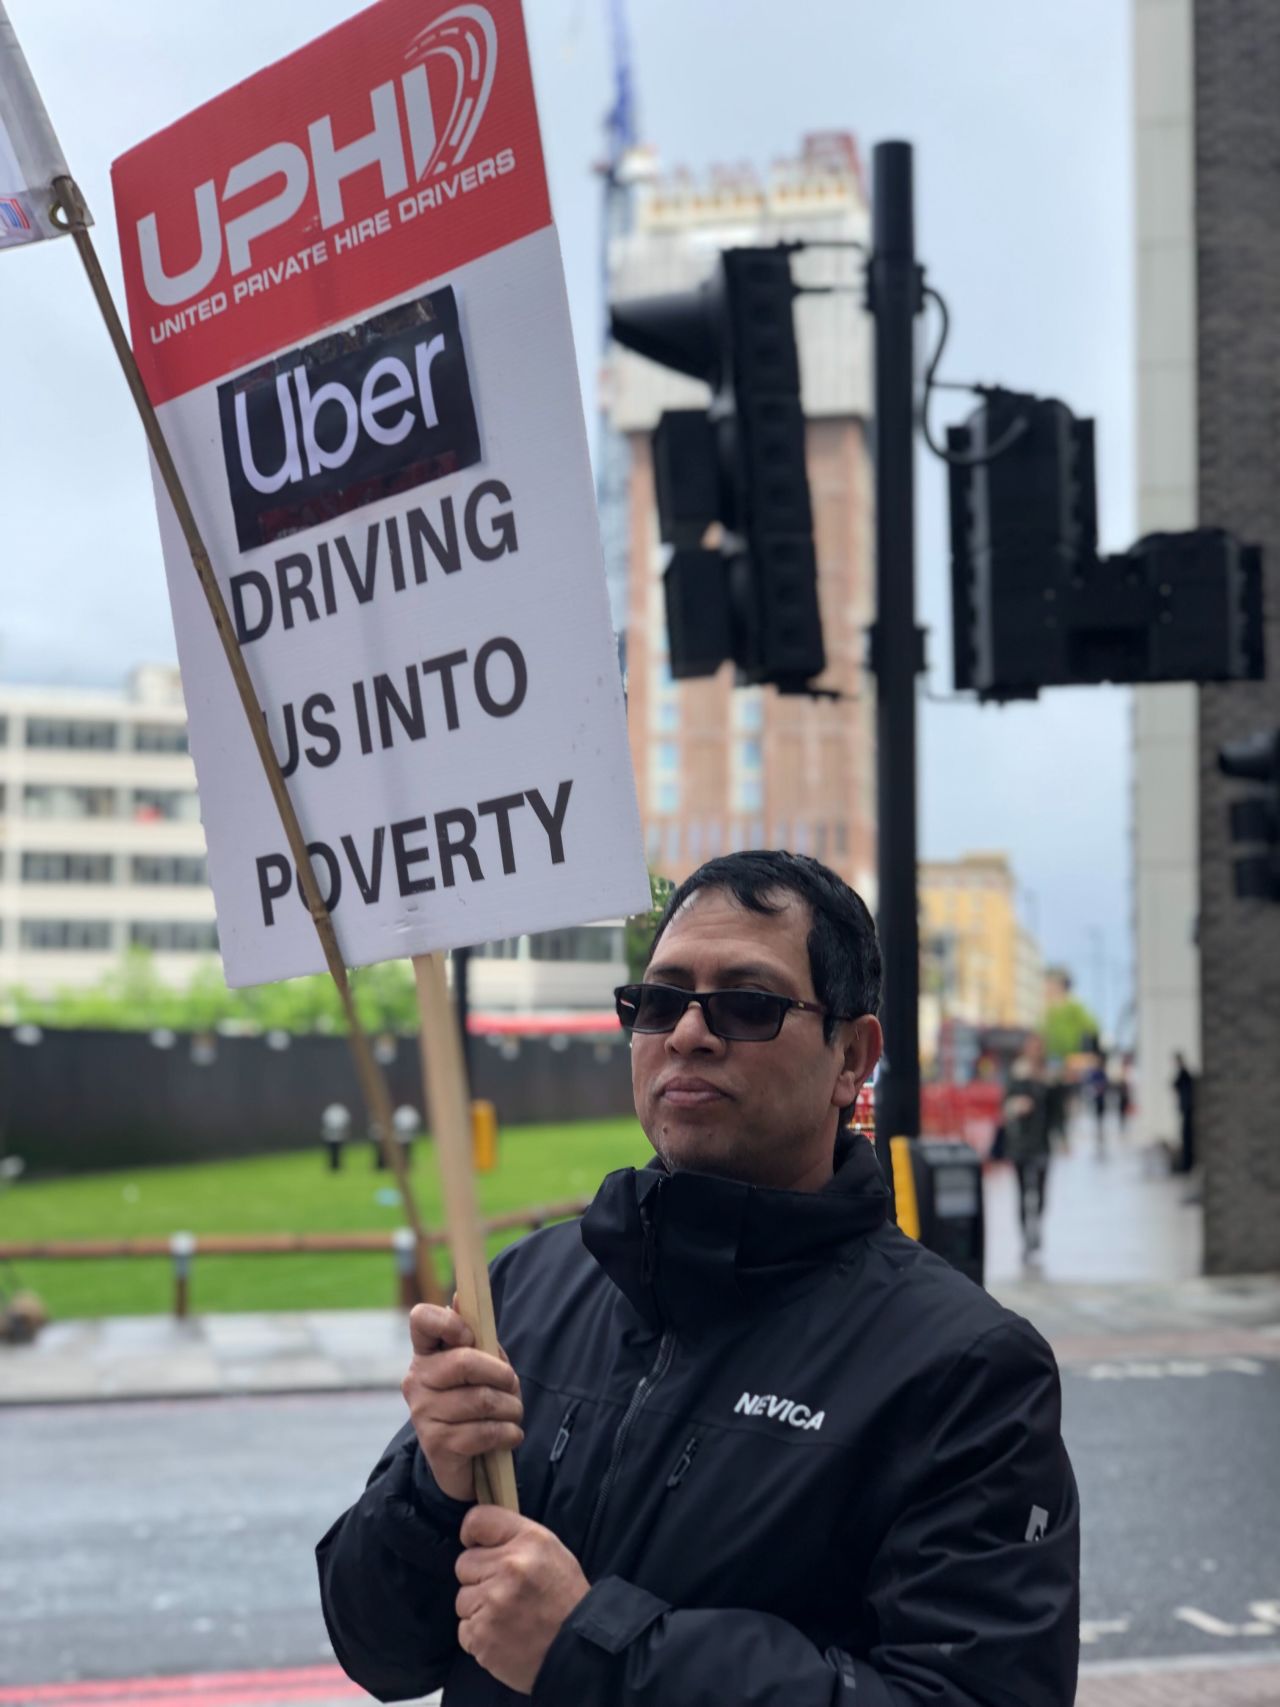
(1020, 118)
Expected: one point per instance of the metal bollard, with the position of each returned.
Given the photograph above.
(404, 1243)
(335, 1124)
(407, 1123)
(182, 1247)
(484, 1135)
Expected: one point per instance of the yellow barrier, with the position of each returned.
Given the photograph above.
(904, 1187)
(484, 1136)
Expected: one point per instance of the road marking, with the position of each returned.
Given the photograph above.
(1182, 1368)
(294, 1686)
(1094, 1629)
(1265, 1621)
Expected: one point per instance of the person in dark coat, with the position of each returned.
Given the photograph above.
(1184, 1089)
(1028, 1140)
(768, 1449)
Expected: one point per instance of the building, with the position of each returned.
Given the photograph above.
(1166, 850)
(979, 962)
(1207, 131)
(101, 848)
(719, 769)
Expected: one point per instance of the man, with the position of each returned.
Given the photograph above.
(1027, 1141)
(1184, 1089)
(768, 1449)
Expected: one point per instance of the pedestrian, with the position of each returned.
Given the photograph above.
(768, 1448)
(1098, 1089)
(1184, 1089)
(1028, 1140)
(1124, 1097)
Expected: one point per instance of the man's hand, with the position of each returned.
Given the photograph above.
(463, 1402)
(519, 1584)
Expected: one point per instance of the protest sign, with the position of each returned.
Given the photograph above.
(348, 304)
(30, 158)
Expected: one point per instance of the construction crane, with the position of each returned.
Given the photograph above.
(619, 171)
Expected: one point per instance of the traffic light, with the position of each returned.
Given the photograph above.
(1035, 606)
(750, 595)
(1257, 818)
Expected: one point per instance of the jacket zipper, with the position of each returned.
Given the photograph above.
(682, 1464)
(561, 1441)
(645, 1386)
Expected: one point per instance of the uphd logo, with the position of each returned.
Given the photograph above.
(362, 413)
(465, 44)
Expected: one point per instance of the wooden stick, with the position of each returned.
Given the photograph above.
(71, 213)
(448, 1098)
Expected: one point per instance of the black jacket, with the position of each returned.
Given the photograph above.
(801, 1460)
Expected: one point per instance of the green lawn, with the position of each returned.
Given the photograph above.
(279, 1194)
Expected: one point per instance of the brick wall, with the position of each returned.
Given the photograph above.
(1237, 76)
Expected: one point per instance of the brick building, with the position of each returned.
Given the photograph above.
(717, 768)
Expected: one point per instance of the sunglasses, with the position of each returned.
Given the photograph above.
(736, 1016)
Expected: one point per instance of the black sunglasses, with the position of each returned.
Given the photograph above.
(736, 1016)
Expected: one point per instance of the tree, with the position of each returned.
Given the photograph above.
(641, 926)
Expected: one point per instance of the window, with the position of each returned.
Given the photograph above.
(748, 793)
(842, 838)
(168, 868)
(167, 805)
(81, 734)
(667, 716)
(738, 838)
(58, 800)
(159, 738)
(667, 795)
(820, 841)
(749, 755)
(666, 755)
(695, 839)
(802, 838)
(66, 868)
(594, 943)
(66, 933)
(715, 838)
(748, 710)
(653, 842)
(174, 936)
(4, 730)
(671, 847)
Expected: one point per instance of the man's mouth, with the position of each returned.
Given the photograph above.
(690, 1093)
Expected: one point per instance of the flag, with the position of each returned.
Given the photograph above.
(30, 158)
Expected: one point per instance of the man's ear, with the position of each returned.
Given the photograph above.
(862, 1041)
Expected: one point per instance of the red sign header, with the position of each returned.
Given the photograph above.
(389, 152)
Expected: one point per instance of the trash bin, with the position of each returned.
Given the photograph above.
(947, 1179)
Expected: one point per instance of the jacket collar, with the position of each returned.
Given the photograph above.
(688, 1249)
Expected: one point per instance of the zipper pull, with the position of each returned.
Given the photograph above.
(682, 1464)
(565, 1430)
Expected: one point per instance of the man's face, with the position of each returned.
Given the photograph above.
(761, 1112)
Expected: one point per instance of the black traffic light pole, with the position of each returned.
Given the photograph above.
(895, 298)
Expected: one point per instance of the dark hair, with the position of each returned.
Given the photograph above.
(844, 951)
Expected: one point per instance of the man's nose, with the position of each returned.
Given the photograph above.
(691, 1031)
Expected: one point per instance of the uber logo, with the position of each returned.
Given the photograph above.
(360, 414)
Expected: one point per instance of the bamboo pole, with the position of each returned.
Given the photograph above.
(73, 215)
(448, 1099)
